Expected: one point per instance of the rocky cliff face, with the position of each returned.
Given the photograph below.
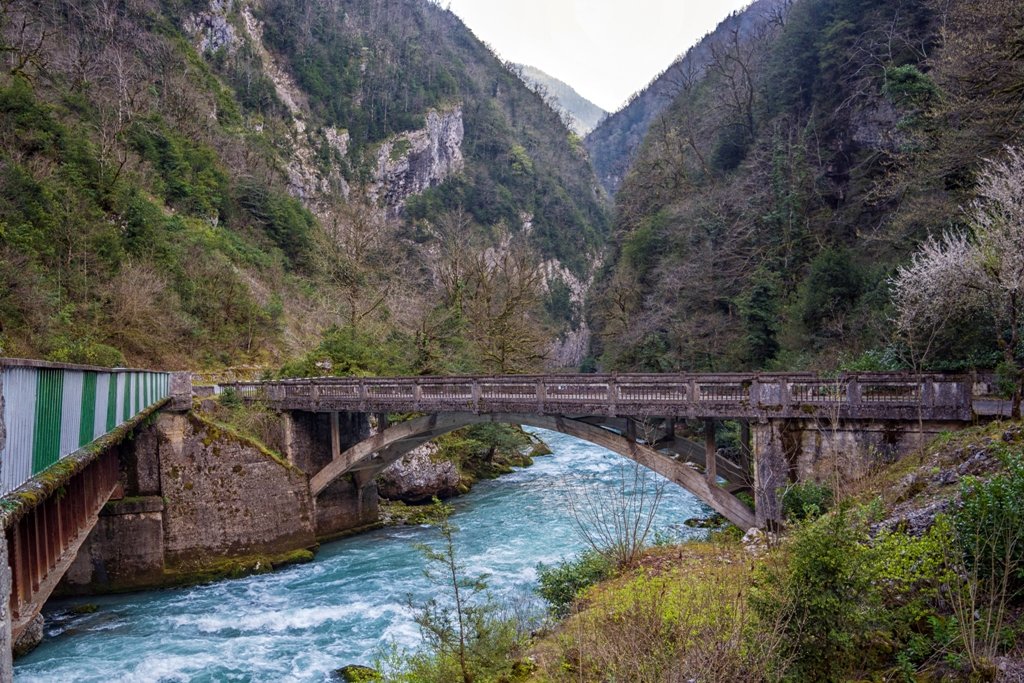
(415, 161)
(312, 183)
(405, 165)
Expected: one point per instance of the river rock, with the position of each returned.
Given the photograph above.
(419, 476)
(30, 637)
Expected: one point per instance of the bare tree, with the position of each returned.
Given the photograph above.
(496, 291)
(617, 522)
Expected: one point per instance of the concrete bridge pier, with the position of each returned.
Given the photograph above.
(830, 451)
(6, 645)
(312, 441)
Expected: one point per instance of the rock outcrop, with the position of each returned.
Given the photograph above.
(412, 162)
(418, 477)
(211, 29)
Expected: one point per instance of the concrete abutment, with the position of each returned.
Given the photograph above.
(831, 452)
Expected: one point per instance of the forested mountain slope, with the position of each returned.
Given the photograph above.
(614, 143)
(187, 182)
(767, 210)
(583, 114)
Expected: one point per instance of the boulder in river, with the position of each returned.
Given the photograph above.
(419, 477)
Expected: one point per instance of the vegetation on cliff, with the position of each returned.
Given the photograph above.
(198, 184)
(795, 171)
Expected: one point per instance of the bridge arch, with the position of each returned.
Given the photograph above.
(373, 455)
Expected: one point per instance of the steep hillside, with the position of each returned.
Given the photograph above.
(583, 114)
(614, 143)
(190, 182)
(767, 209)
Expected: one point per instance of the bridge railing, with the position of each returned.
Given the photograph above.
(737, 395)
(50, 410)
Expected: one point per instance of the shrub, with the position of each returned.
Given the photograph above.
(690, 623)
(823, 596)
(86, 352)
(806, 500)
(562, 583)
(987, 555)
(990, 524)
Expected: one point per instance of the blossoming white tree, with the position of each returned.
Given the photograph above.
(983, 269)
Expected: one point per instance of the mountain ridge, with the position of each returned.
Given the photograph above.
(614, 143)
(583, 114)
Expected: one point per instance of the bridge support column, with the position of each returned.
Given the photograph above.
(770, 473)
(6, 645)
(745, 445)
(314, 440)
(335, 436)
(710, 452)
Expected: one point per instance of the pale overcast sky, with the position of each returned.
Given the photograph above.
(605, 49)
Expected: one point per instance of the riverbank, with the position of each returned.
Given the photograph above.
(917, 573)
(305, 621)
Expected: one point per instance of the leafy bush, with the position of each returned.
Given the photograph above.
(86, 352)
(831, 288)
(906, 85)
(344, 351)
(823, 597)
(282, 217)
(806, 500)
(562, 583)
(990, 525)
(189, 174)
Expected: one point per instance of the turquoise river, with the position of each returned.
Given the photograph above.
(303, 622)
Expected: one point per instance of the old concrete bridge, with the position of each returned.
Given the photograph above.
(110, 481)
(794, 425)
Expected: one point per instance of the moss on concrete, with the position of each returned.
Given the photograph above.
(215, 431)
(397, 513)
(233, 567)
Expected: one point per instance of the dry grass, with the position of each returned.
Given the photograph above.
(680, 615)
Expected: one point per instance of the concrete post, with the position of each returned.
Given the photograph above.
(745, 445)
(288, 436)
(335, 436)
(710, 452)
(770, 473)
(181, 392)
(6, 646)
(3, 426)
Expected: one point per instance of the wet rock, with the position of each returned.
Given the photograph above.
(419, 477)
(30, 637)
(712, 522)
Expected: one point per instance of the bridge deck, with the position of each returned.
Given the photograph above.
(732, 396)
